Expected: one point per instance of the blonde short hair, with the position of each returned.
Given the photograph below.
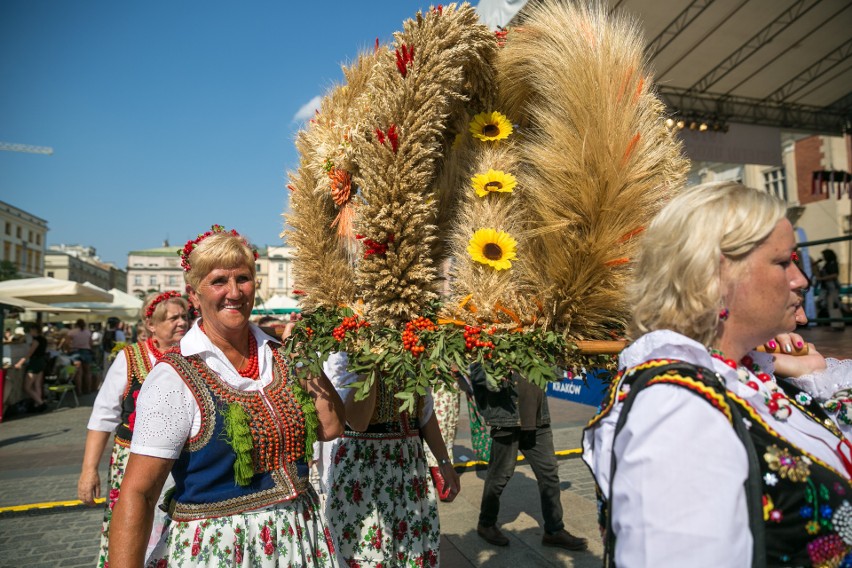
(677, 282)
(219, 250)
(159, 313)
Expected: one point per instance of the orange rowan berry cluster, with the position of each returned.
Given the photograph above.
(472, 338)
(410, 339)
(348, 323)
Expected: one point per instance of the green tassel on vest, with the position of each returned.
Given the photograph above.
(238, 436)
(309, 410)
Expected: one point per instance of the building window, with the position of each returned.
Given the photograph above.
(38, 239)
(280, 267)
(8, 228)
(257, 267)
(152, 281)
(775, 182)
(173, 281)
(18, 232)
(280, 282)
(137, 280)
(50, 274)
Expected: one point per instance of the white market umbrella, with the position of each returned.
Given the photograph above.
(6, 301)
(47, 290)
(123, 305)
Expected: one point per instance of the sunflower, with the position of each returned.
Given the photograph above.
(494, 180)
(488, 126)
(494, 248)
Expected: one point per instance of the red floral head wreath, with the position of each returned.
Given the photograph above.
(165, 296)
(191, 244)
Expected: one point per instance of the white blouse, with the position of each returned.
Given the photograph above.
(678, 486)
(167, 414)
(106, 412)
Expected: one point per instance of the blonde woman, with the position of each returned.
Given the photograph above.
(700, 457)
(233, 425)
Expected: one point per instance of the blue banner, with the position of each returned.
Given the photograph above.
(572, 387)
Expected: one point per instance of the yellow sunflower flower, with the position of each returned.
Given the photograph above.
(493, 180)
(494, 248)
(488, 126)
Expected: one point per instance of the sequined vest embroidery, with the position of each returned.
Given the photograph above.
(138, 367)
(204, 472)
(807, 512)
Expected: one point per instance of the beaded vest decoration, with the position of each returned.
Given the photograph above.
(387, 418)
(205, 483)
(138, 367)
(807, 512)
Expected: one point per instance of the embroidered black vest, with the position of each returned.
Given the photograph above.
(388, 420)
(138, 367)
(807, 505)
(205, 485)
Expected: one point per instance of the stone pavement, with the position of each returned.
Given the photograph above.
(40, 457)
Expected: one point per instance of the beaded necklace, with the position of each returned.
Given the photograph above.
(251, 370)
(154, 351)
(775, 399)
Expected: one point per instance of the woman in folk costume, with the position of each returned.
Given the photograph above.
(165, 318)
(380, 499)
(233, 424)
(699, 455)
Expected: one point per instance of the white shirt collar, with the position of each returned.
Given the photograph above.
(196, 342)
(667, 344)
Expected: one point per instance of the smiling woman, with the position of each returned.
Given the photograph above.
(234, 426)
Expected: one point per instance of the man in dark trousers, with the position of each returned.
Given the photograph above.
(519, 420)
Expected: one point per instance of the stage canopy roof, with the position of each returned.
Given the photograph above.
(779, 63)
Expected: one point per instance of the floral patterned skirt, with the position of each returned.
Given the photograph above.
(117, 463)
(380, 502)
(290, 534)
(447, 413)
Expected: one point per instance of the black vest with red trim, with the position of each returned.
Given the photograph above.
(138, 367)
(807, 505)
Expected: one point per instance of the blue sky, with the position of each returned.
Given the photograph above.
(167, 117)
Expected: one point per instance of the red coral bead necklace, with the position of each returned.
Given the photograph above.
(250, 369)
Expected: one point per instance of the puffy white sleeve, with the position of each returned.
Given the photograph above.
(335, 368)
(823, 385)
(167, 414)
(426, 409)
(677, 496)
(832, 388)
(106, 412)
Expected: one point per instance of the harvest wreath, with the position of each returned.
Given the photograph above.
(476, 197)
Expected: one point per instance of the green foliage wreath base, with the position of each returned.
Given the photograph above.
(377, 353)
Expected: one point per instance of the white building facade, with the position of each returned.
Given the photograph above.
(23, 238)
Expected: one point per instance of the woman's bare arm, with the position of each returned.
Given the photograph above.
(133, 515)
